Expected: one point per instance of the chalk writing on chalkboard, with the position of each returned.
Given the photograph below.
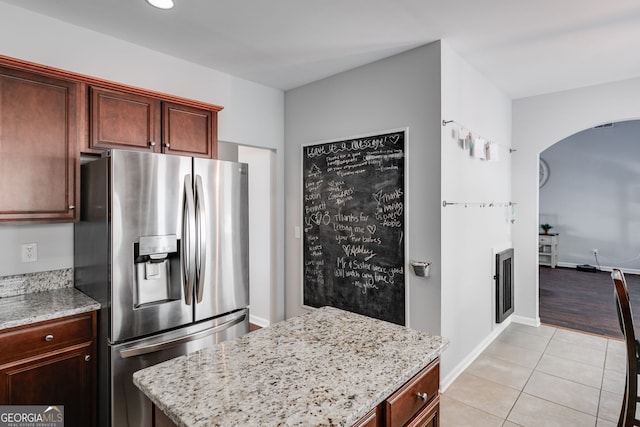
(353, 225)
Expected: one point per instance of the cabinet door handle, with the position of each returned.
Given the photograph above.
(72, 207)
(152, 144)
(48, 338)
(167, 145)
(87, 358)
(422, 396)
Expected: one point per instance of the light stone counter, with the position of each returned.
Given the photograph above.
(35, 307)
(325, 368)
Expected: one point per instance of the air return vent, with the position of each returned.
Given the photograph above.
(504, 284)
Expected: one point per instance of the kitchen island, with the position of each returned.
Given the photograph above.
(328, 367)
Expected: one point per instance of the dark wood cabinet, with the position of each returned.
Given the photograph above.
(52, 363)
(48, 117)
(412, 404)
(428, 417)
(119, 119)
(187, 130)
(40, 123)
(123, 120)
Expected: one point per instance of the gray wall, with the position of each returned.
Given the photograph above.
(592, 198)
(397, 92)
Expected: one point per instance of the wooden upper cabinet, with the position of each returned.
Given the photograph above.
(49, 116)
(187, 130)
(123, 120)
(127, 120)
(40, 121)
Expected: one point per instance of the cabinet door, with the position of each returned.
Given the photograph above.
(428, 417)
(123, 120)
(39, 164)
(61, 378)
(188, 130)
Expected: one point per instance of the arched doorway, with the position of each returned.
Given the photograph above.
(590, 194)
(538, 123)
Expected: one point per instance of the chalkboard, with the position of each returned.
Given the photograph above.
(353, 225)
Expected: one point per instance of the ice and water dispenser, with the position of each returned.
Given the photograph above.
(156, 270)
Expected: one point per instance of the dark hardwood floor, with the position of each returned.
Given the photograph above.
(583, 301)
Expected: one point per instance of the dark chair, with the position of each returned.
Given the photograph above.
(625, 316)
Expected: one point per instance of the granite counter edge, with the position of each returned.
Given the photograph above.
(86, 304)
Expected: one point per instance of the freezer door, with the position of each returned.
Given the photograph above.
(222, 245)
(147, 202)
(129, 406)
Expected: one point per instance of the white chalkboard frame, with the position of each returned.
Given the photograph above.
(406, 237)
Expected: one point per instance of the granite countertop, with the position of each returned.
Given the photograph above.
(35, 307)
(325, 368)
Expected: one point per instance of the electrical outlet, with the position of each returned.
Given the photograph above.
(595, 251)
(29, 252)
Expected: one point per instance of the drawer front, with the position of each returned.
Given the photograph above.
(545, 240)
(39, 338)
(407, 401)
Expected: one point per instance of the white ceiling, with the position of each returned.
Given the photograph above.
(524, 47)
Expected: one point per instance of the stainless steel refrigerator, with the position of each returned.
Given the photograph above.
(162, 244)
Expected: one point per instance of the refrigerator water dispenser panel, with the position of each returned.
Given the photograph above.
(151, 245)
(156, 267)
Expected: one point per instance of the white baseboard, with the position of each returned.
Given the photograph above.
(446, 382)
(263, 323)
(467, 361)
(526, 320)
(602, 268)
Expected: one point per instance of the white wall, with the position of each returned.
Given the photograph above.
(397, 92)
(262, 192)
(471, 235)
(592, 198)
(539, 122)
(253, 114)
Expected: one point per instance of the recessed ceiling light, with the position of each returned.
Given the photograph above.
(161, 4)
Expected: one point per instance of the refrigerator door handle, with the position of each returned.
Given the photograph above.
(152, 348)
(188, 241)
(201, 239)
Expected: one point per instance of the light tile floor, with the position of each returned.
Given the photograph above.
(539, 377)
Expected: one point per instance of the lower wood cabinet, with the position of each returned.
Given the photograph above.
(52, 363)
(416, 402)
